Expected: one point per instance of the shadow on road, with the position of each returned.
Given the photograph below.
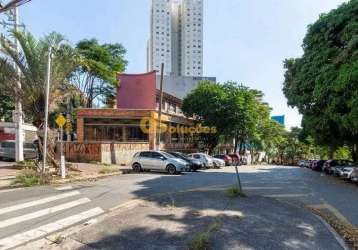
(172, 214)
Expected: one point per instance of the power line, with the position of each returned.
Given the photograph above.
(12, 4)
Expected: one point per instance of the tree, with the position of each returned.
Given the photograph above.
(32, 61)
(6, 105)
(323, 83)
(96, 76)
(205, 103)
(236, 111)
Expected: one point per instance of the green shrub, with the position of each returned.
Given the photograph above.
(29, 178)
(108, 170)
(234, 192)
(200, 242)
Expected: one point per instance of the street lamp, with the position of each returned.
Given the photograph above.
(47, 93)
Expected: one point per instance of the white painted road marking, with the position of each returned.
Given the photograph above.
(64, 188)
(37, 202)
(43, 212)
(10, 190)
(286, 195)
(21, 238)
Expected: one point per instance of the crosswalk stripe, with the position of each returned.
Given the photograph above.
(21, 238)
(43, 212)
(64, 188)
(37, 202)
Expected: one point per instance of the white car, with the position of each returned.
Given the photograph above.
(206, 160)
(158, 161)
(346, 173)
(218, 162)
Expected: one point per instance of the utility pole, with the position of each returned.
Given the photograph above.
(48, 79)
(19, 114)
(159, 130)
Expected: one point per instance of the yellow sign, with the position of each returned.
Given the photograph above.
(61, 121)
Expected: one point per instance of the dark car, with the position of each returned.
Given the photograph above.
(235, 158)
(317, 165)
(226, 158)
(194, 163)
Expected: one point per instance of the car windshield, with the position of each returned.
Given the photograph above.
(168, 155)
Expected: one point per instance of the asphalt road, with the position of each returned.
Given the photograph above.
(28, 214)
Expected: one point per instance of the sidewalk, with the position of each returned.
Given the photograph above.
(7, 170)
(200, 219)
(77, 172)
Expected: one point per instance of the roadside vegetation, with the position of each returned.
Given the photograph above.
(234, 192)
(81, 76)
(201, 241)
(29, 178)
(108, 170)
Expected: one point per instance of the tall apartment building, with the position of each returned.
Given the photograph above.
(176, 37)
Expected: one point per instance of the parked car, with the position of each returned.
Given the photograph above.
(307, 163)
(317, 165)
(205, 159)
(235, 158)
(158, 161)
(301, 163)
(328, 165)
(218, 162)
(334, 170)
(346, 172)
(354, 175)
(226, 158)
(194, 163)
(311, 162)
(8, 151)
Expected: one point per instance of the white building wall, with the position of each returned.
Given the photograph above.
(160, 41)
(176, 37)
(192, 38)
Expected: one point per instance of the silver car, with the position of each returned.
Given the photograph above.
(206, 160)
(158, 161)
(346, 173)
(7, 150)
(218, 162)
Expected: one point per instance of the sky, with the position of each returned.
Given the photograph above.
(244, 40)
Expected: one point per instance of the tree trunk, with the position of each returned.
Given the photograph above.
(236, 144)
(331, 151)
(354, 152)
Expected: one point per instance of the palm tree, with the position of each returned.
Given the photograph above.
(32, 61)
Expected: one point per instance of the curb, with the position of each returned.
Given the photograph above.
(66, 181)
(339, 239)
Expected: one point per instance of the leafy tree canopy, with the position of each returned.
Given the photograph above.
(96, 77)
(323, 83)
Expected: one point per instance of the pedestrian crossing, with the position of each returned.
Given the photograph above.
(35, 218)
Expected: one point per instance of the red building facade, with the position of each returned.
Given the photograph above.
(137, 91)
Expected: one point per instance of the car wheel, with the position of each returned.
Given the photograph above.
(171, 169)
(137, 167)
